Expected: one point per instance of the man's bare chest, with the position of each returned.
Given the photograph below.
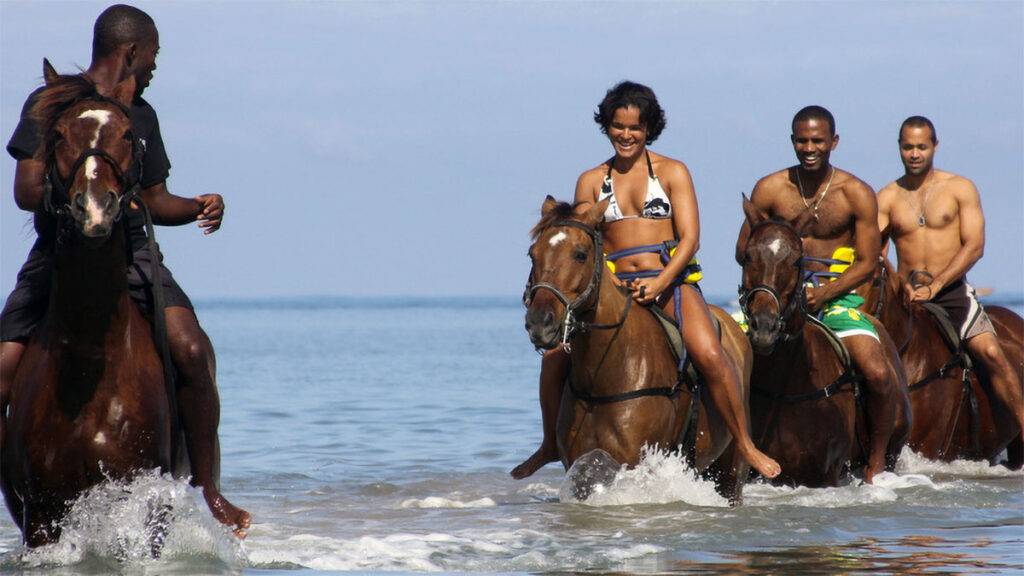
(833, 213)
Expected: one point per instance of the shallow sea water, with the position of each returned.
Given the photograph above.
(376, 435)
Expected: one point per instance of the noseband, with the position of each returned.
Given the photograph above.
(56, 190)
(797, 299)
(587, 299)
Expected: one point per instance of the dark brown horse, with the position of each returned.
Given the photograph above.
(954, 415)
(805, 408)
(88, 401)
(624, 390)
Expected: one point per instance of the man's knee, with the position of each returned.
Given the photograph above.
(10, 357)
(991, 355)
(189, 344)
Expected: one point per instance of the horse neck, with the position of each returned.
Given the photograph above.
(89, 298)
(895, 316)
(608, 309)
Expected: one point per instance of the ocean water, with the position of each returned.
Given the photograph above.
(377, 435)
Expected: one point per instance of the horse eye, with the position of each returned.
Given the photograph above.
(127, 136)
(579, 256)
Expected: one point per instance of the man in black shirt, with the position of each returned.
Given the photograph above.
(126, 43)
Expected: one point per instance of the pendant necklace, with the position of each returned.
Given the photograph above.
(814, 207)
(921, 220)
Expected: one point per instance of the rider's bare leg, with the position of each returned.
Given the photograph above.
(199, 409)
(10, 356)
(702, 345)
(1004, 378)
(880, 399)
(554, 368)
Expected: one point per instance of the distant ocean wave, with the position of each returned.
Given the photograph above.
(728, 302)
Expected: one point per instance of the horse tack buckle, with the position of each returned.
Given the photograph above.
(566, 328)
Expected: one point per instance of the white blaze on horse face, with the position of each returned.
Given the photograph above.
(557, 239)
(100, 438)
(101, 117)
(774, 246)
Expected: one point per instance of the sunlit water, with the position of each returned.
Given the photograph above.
(377, 436)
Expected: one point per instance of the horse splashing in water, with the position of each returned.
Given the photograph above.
(89, 401)
(624, 390)
(805, 397)
(950, 396)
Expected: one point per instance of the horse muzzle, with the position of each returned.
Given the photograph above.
(543, 326)
(765, 330)
(94, 216)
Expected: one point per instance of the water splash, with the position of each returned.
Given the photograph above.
(661, 477)
(112, 526)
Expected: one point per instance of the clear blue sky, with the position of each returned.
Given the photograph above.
(405, 148)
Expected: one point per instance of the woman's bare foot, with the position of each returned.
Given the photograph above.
(544, 455)
(764, 464)
(227, 513)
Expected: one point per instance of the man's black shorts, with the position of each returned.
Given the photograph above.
(26, 305)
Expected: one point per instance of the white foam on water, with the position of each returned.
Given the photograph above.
(111, 525)
(439, 502)
(472, 550)
(911, 461)
(660, 477)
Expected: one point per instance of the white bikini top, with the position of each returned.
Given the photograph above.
(657, 206)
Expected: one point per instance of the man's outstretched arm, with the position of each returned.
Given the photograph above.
(170, 210)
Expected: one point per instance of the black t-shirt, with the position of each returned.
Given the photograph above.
(27, 139)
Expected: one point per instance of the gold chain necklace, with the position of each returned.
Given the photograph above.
(814, 207)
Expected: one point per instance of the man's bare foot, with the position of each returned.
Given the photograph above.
(764, 464)
(543, 455)
(227, 513)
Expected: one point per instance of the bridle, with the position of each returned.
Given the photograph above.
(571, 325)
(56, 190)
(798, 299)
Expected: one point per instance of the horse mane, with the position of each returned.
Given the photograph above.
(56, 97)
(560, 211)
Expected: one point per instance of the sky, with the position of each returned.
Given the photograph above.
(405, 148)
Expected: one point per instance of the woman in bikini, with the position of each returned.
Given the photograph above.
(651, 204)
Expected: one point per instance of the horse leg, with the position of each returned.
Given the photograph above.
(10, 357)
(199, 410)
(1015, 453)
(701, 340)
(554, 369)
(880, 398)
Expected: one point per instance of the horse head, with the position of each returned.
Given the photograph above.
(772, 271)
(566, 273)
(88, 148)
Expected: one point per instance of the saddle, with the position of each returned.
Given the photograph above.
(949, 332)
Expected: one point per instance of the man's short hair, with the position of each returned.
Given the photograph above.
(918, 122)
(120, 24)
(815, 112)
(626, 94)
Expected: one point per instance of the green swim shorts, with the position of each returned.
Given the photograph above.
(843, 317)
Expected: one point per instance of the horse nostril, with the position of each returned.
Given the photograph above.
(80, 202)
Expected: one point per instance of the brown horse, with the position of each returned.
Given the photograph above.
(88, 401)
(805, 401)
(624, 388)
(954, 416)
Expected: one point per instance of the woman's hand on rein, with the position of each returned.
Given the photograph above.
(646, 290)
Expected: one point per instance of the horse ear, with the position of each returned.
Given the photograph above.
(49, 73)
(593, 216)
(124, 91)
(754, 214)
(548, 205)
(802, 223)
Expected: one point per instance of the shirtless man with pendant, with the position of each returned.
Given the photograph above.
(935, 220)
(841, 249)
